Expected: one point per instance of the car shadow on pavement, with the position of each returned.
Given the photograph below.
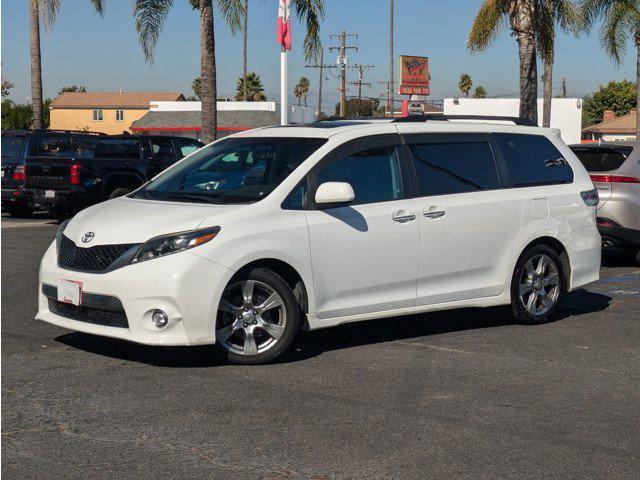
(618, 258)
(312, 344)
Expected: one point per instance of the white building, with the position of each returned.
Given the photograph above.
(566, 113)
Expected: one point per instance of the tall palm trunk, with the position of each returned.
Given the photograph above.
(522, 24)
(547, 84)
(244, 48)
(638, 84)
(36, 67)
(208, 88)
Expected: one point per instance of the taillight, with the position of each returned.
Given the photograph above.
(613, 179)
(74, 173)
(590, 197)
(19, 174)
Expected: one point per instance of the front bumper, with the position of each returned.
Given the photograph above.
(185, 286)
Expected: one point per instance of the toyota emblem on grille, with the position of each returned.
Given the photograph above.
(87, 237)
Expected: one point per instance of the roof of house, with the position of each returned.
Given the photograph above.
(190, 120)
(112, 99)
(621, 124)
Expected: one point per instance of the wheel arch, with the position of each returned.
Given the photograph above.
(121, 180)
(560, 250)
(287, 272)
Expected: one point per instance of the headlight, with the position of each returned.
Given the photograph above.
(173, 243)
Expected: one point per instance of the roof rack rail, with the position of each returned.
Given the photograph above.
(53, 130)
(441, 117)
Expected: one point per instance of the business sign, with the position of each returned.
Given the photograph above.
(414, 75)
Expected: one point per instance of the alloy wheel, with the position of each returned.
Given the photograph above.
(251, 318)
(539, 284)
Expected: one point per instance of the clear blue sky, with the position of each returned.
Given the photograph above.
(103, 53)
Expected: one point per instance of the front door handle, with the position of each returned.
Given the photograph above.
(402, 216)
(434, 213)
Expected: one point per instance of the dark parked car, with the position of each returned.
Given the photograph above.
(68, 172)
(14, 199)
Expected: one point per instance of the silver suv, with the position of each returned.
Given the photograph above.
(614, 169)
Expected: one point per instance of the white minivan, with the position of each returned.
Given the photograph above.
(261, 234)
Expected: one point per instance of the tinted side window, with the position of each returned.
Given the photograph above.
(50, 145)
(533, 160)
(117, 148)
(186, 147)
(374, 174)
(162, 150)
(444, 168)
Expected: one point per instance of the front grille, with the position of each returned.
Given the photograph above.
(95, 259)
(94, 316)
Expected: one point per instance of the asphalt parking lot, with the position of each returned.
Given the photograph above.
(462, 394)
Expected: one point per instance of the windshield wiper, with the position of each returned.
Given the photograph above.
(188, 196)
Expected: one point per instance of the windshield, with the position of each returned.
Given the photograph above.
(12, 146)
(603, 160)
(234, 170)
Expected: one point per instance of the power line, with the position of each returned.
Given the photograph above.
(360, 83)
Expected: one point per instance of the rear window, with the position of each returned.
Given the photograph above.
(533, 160)
(601, 160)
(12, 146)
(50, 145)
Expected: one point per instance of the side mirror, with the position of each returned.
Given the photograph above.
(334, 192)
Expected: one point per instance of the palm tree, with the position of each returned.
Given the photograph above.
(621, 23)
(480, 92)
(252, 88)
(464, 84)
(48, 9)
(569, 18)
(301, 90)
(521, 15)
(149, 19)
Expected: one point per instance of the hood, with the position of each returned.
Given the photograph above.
(129, 220)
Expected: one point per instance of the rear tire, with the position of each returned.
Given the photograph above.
(537, 286)
(258, 318)
(119, 192)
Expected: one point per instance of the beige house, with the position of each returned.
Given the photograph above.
(613, 128)
(106, 112)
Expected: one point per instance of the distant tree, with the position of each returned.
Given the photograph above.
(620, 97)
(620, 26)
(195, 86)
(367, 107)
(6, 87)
(301, 90)
(464, 84)
(72, 88)
(480, 92)
(255, 90)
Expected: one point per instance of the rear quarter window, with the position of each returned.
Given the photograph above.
(533, 160)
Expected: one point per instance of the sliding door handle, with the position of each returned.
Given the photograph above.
(402, 216)
(434, 213)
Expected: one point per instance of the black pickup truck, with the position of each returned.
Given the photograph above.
(66, 172)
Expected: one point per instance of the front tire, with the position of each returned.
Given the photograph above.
(537, 285)
(258, 318)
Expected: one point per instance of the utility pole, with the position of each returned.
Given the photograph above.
(321, 69)
(360, 83)
(390, 97)
(343, 67)
(564, 87)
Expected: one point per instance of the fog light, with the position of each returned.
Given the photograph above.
(159, 319)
